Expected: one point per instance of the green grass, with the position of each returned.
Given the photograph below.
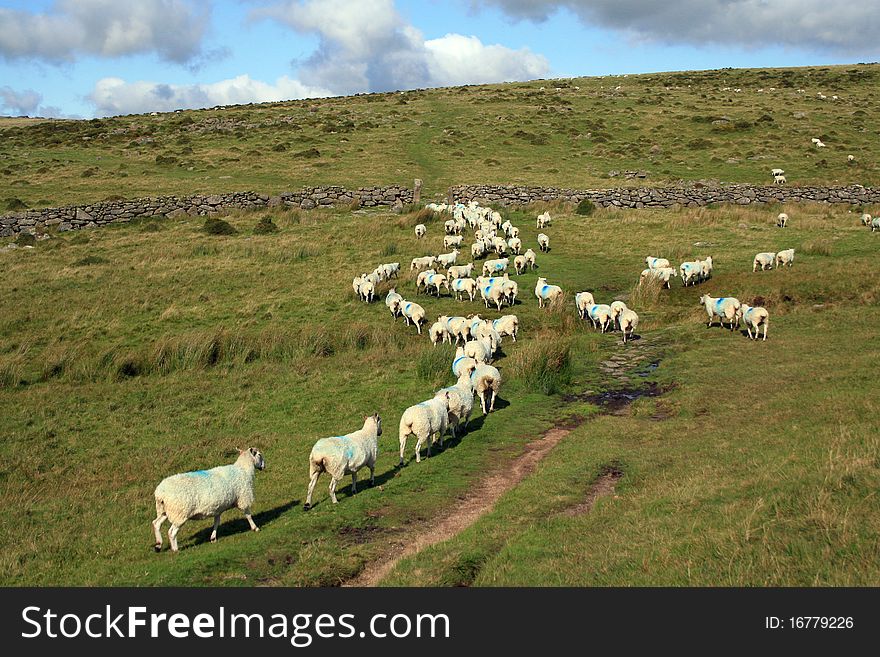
(173, 348)
(674, 126)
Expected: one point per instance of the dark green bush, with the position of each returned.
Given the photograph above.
(217, 226)
(265, 226)
(586, 207)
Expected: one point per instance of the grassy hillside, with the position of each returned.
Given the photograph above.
(573, 132)
(133, 352)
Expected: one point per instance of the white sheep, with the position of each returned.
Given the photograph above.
(507, 326)
(486, 382)
(627, 321)
(494, 267)
(356, 283)
(493, 293)
(460, 271)
(544, 242)
(754, 317)
(342, 455)
(515, 245)
(543, 220)
(478, 250)
(691, 272)
(866, 219)
(656, 263)
(420, 231)
(705, 268)
(457, 327)
(875, 224)
(480, 350)
(393, 301)
(413, 312)
(462, 364)
(499, 245)
(782, 220)
(450, 241)
(600, 316)
(446, 260)
(617, 307)
(511, 291)
(530, 258)
(582, 301)
(779, 180)
(436, 281)
(367, 290)
(777, 172)
(519, 264)
(390, 269)
(422, 279)
(850, 158)
(461, 402)
(785, 257)
(206, 494)
(513, 233)
(546, 293)
(664, 274)
(723, 308)
(425, 421)
(437, 333)
(461, 286)
(424, 262)
(764, 260)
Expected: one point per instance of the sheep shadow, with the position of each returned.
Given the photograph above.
(239, 524)
(345, 491)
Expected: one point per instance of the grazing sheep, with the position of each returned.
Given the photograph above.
(461, 402)
(206, 494)
(393, 301)
(664, 274)
(425, 262)
(425, 421)
(656, 263)
(723, 308)
(413, 312)
(460, 271)
(754, 317)
(782, 220)
(866, 219)
(461, 286)
(627, 320)
(478, 250)
(486, 382)
(507, 326)
(548, 293)
(515, 245)
(420, 230)
(779, 180)
(494, 267)
(600, 316)
(450, 241)
(342, 455)
(764, 260)
(446, 260)
(530, 258)
(582, 301)
(543, 242)
(784, 258)
(543, 220)
(437, 333)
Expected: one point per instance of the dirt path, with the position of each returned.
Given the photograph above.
(478, 501)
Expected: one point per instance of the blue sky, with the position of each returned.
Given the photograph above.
(101, 57)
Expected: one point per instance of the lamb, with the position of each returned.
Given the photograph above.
(425, 262)
(424, 421)
(543, 242)
(582, 301)
(543, 220)
(413, 312)
(656, 263)
(342, 455)
(723, 308)
(420, 231)
(515, 244)
(393, 300)
(754, 317)
(764, 260)
(519, 264)
(507, 326)
(784, 258)
(486, 382)
(547, 293)
(530, 258)
(461, 402)
(782, 220)
(205, 494)
(495, 266)
(460, 271)
(450, 241)
(446, 260)
(464, 286)
(600, 315)
(627, 321)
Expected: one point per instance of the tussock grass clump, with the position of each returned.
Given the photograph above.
(217, 226)
(543, 365)
(646, 293)
(433, 364)
(90, 260)
(819, 246)
(265, 226)
(585, 208)
(12, 204)
(26, 239)
(389, 249)
(12, 367)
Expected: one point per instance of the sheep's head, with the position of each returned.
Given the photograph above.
(703, 299)
(256, 457)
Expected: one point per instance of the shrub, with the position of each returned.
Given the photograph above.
(217, 226)
(816, 247)
(265, 226)
(544, 366)
(26, 239)
(12, 204)
(432, 365)
(586, 207)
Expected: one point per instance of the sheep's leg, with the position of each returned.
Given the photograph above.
(354, 483)
(419, 441)
(157, 529)
(483, 402)
(313, 479)
(765, 330)
(372, 475)
(250, 519)
(333, 482)
(214, 530)
(492, 403)
(172, 536)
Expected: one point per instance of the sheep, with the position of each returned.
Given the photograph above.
(515, 245)
(478, 250)
(391, 269)
(543, 242)
(422, 279)
(656, 263)
(765, 260)
(850, 158)
(446, 260)
(356, 283)
(820, 144)
(513, 233)
(492, 293)
(779, 180)
(511, 291)
(543, 220)
(664, 274)
(205, 494)
(866, 219)
(506, 226)
(450, 241)
(480, 350)
(425, 262)
(420, 231)
(462, 364)
(754, 317)
(617, 307)
(342, 455)
(875, 226)
(705, 268)
(450, 226)
(519, 264)
(600, 316)
(437, 281)
(367, 290)
(548, 293)
(690, 272)
(413, 312)
(815, 140)
(437, 333)
(784, 258)
(462, 286)
(486, 382)
(723, 308)
(777, 172)
(627, 321)
(782, 220)
(425, 420)
(461, 402)
(393, 300)
(495, 266)
(582, 301)
(530, 258)
(456, 327)
(460, 271)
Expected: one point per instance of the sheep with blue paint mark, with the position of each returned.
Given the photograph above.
(457, 327)
(722, 308)
(754, 317)
(206, 494)
(492, 293)
(656, 263)
(342, 455)
(495, 267)
(436, 281)
(427, 421)
(600, 316)
(462, 286)
(413, 312)
(691, 272)
(462, 364)
(461, 402)
(546, 294)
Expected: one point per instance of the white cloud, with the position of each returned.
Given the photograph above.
(844, 27)
(20, 103)
(366, 45)
(116, 96)
(173, 29)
